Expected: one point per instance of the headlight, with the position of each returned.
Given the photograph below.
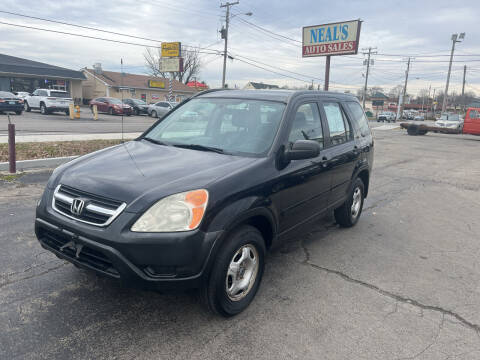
(179, 212)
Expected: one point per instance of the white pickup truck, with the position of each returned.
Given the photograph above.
(48, 100)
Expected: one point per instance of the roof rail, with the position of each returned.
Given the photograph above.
(208, 91)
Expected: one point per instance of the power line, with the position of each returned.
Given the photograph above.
(89, 28)
(95, 37)
(269, 31)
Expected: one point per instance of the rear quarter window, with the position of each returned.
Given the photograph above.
(359, 117)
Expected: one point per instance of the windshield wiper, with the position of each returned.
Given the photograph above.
(201, 148)
(158, 142)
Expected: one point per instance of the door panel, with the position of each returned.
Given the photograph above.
(342, 154)
(302, 187)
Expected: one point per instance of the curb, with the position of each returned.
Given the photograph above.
(38, 163)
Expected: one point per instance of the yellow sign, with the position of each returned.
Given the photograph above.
(171, 49)
(156, 84)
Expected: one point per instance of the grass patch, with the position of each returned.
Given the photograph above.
(42, 150)
(10, 177)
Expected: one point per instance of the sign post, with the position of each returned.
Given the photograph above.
(171, 62)
(340, 38)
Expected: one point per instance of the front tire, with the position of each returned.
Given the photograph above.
(236, 273)
(110, 111)
(348, 214)
(27, 107)
(154, 114)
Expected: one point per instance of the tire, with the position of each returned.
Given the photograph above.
(18, 112)
(137, 112)
(347, 215)
(26, 107)
(67, 112)
(110, 111)
(241, 246)
(154, 114)
(43, 109)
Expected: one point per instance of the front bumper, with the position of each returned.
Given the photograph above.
(164, 261)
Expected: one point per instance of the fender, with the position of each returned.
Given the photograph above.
(357, 171)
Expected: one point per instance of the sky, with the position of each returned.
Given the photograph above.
(397, 29)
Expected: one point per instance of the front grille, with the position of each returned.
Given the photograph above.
(97, 210)
(87, 255)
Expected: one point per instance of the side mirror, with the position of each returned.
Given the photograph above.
(303, 149)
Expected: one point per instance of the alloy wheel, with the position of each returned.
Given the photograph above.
(242, 272)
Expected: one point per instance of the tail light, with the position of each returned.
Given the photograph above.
(2, 100)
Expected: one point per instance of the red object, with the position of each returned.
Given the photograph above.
(107, 105)
(471, 124)
(196, 84)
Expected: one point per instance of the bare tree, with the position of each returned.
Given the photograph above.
(191, 64)
(395, 91)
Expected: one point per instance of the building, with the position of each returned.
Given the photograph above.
(113, 84)
(260, 86)
(17, 74)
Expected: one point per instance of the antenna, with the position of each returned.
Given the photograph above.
(121, 87)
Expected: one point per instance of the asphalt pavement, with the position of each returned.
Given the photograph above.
(404, 283)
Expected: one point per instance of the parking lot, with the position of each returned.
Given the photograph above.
(34, 123)
(402, 284)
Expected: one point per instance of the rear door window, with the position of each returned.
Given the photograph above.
(340, 129)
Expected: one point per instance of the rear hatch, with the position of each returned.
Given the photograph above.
(59, 98)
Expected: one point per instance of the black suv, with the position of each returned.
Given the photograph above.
(198, 198)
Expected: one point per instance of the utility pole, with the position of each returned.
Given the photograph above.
(224, 33)
(463, 86)
(404, 89)
(454, 41)
(369, 53)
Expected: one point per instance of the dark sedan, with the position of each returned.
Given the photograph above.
(139, 106)
(10, 102)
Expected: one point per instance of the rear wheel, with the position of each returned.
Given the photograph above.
(236, 273)
(137, 112)
(348, 214)
(43, 109)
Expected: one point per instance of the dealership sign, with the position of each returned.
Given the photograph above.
(171, 64)
(156, 84)
(331, 39)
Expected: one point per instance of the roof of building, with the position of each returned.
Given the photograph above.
(262, 85)
(15, 65)
(136, 81)
(272, 95)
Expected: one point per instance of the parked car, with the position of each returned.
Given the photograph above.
(450, 120)
(22, 94)
(419, 117)
(10, 102)
(198, 199)
(138, 106)
(48, 100)
(112, 106)
(160, 108)
(387, 116)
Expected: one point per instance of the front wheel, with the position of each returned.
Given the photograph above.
(236, 273)
(348, 214)
(154, 114)
(110, 111)
(26, 107)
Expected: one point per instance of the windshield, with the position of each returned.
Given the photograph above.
(139, 102)
(232, 125)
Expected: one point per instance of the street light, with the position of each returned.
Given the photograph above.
(454, 41)
(224, 33)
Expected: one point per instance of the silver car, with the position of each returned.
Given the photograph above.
(160, 108)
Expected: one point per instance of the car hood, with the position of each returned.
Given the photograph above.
(140, 169)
